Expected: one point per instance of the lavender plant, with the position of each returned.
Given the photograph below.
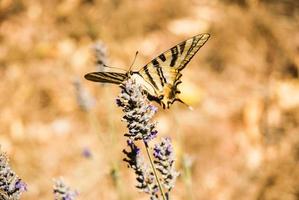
(62, 191)
(138, 114)
(84, 99)
(11, 186)
(144, 176)
(100, 51)
(164, 162)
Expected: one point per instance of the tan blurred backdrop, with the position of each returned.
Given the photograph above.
(241, 141)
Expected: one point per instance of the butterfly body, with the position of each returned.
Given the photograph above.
(160, 77)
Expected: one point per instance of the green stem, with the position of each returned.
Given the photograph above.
(154, 170)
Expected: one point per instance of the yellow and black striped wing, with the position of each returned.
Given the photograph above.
(165, 69)
(106, 77)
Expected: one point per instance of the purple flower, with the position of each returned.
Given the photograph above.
(84, 99)
(164, 162)
(144, 176)
(100, 51)
(132, 154)
(119, 102)
(62, 191)
(86, 153)
(22, 186)
(11, 186)
(138, 112)
(153, 108)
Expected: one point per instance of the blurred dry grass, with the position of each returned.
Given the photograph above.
(243, 134)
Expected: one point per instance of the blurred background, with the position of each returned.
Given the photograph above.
(241, 141)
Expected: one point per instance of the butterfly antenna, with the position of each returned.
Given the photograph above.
(133, 60)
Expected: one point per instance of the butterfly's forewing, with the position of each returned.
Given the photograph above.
(106, 77)
(189, 48)
(165, 68)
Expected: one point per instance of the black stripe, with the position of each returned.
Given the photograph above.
(109, 77)
(155, 62)
(188, 56)
(119, 75)
(174, 54)
(194, 43)
(182, 47)
(114, 76)
(105, 79)
(162, 57)
(162, 75)
(150, 77)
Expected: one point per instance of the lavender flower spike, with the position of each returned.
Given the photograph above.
(164, 162)
(144, 176)
(62, 191)
(11, 186)
(100, 51)
(138, 112)
(84, 99)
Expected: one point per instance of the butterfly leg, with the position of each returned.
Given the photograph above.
(179, 100)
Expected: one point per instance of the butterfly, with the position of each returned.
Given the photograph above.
(160, 77)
